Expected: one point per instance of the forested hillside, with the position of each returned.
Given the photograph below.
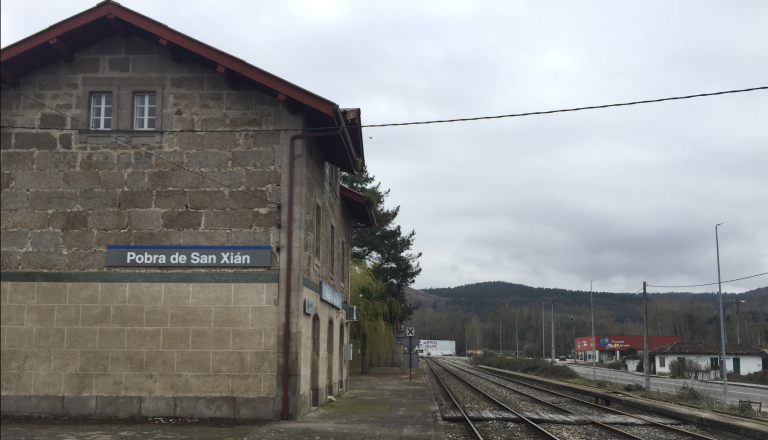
(486, 314)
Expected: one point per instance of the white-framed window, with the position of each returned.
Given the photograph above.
(662, 362)
(101, 111)
(144, 111)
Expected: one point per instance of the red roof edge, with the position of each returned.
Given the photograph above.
(358, 206)
(162, 31)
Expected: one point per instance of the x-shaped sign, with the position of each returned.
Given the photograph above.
(409, 331)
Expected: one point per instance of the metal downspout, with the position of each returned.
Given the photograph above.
(289, 263)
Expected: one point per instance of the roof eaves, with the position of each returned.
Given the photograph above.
(163, 31)
(360, 205)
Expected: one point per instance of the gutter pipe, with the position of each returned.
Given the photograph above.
(289, 258)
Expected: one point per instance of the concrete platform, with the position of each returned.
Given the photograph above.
(381, 405)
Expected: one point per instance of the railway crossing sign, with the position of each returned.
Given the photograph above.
(410, 331)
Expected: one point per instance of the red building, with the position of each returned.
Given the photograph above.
(614, 346)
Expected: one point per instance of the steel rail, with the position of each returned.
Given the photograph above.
(537, 428)
(603, 425)
(455, 403)
(605, 408)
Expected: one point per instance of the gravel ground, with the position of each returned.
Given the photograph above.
(505, 430)
(457, 431)
(578, 432)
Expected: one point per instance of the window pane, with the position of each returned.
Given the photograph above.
(108, 99)
(139, 123)
(151, 111)
(108, 123)
(95, 123)
(139, 100)
(107, 112)
(151, 123)
(151, 99)
(96, 99)
(96, 112)
(139, 112)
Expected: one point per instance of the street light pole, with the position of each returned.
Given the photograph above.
(543, 336)
(553, 331)
(592, 312)
(722, 328)
(573, 351)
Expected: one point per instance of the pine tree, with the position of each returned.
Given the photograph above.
(384, 248)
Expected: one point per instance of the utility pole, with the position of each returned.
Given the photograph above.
(543, 335)
(573, 352)
(646, 355)
(722, 327)
(553, 331)
(738, 337)
(466, 343)
(592, 312)
(500, 350)
(517, 340)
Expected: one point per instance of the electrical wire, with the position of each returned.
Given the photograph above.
(445, 121)
(712, 284)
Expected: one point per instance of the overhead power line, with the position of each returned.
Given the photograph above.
(440, 121)
(712, 284)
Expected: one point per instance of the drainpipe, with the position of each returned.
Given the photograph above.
(289, 257)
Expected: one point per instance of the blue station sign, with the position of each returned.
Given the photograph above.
(330, 296)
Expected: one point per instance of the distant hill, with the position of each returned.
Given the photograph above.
(484, 296)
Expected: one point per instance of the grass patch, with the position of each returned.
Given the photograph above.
(535, 367)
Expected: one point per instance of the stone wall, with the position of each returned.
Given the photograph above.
(141, 340)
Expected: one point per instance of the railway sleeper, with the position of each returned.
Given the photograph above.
(450, 415)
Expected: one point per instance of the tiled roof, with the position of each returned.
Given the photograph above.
(705, 348)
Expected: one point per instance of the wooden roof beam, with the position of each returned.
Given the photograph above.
(116, 25)
(172, 50)
(228, 76)
(62, 49)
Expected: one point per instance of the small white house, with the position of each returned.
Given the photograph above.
(739, 359)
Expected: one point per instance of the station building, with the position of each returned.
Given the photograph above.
(175, 238)
(613, 347)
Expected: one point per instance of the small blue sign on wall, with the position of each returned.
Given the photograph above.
(329, 295)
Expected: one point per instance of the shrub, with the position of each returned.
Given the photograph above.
(535, 367)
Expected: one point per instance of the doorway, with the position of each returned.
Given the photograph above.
(329, 356)
(314, 391)
(737, 365)
(341, 357)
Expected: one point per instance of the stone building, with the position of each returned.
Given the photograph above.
(127, 149)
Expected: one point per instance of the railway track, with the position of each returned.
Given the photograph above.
(646, 420)
(535, 431)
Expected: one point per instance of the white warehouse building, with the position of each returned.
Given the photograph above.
(739, 359)
(437, 348)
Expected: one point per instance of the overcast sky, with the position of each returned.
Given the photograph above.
(620, 195)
